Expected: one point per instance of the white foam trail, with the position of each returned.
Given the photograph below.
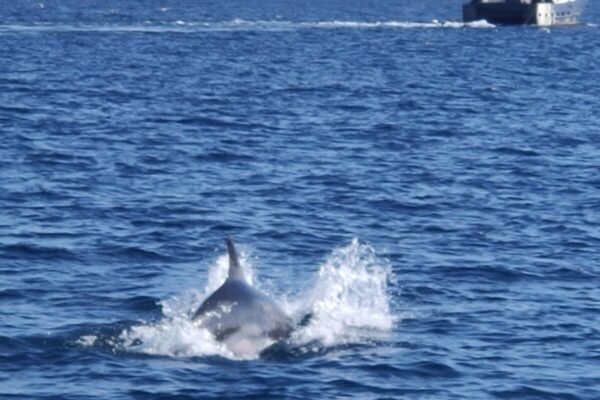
(348, 302)
(401, 24)
(237, 24)
(479, 24)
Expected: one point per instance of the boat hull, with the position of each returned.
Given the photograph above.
(518, 13)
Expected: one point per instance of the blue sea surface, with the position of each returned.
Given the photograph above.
(428, 190)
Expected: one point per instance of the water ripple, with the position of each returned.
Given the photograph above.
(135, 138)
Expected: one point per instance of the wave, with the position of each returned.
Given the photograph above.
(348, 303)
(237, 24)
(29, 251)
(528, 392)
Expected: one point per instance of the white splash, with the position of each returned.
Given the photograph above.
(87, 340)
(175, 337)
(348, 303)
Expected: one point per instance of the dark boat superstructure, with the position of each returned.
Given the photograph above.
(535, 12)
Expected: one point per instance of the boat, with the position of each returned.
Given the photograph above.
(525, 12)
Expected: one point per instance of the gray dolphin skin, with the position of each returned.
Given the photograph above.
(236, 308)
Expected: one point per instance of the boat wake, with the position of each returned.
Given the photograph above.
(237, 24)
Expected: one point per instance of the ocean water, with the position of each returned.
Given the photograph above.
(429, 191)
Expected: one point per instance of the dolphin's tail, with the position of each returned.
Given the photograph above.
(235, 270)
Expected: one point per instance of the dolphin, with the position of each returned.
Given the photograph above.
(237, 311)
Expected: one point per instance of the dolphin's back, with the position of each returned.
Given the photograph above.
(237, 305)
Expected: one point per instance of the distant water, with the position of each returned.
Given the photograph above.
(428, 190)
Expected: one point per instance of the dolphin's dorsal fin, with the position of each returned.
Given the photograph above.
(235, 270)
